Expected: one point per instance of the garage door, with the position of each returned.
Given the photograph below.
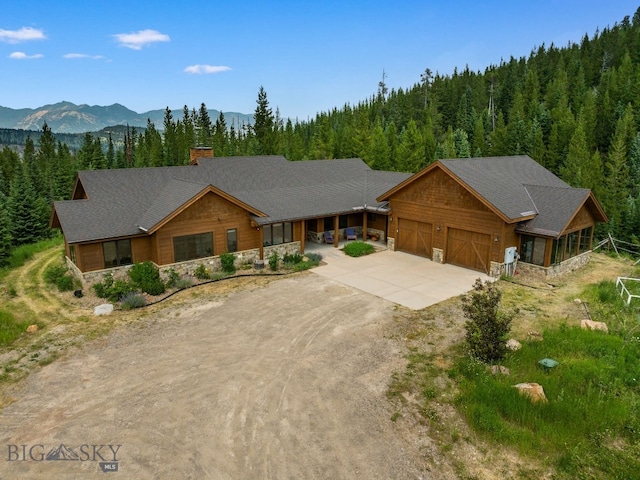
(414, 237)
(468, 249)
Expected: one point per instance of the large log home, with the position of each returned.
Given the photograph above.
(464, 212)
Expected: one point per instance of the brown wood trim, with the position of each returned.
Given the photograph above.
(598, 208)
(336, 227)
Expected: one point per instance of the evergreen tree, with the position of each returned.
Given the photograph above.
(203, 126)
(111, 154)
(28, 213)
(461, 142)
(378, 157)
(5, 231)
(264, 127)
(411, 153)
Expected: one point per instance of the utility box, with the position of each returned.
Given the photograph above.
(510, 255)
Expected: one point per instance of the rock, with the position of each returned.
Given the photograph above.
(535, 336)
(577, 301)
(513, 344)
(534, 391)
(32, 328)
(591, 325)
(499, 369)
(104, 309)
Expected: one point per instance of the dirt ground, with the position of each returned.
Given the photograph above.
(286, 380)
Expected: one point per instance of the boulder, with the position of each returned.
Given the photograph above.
(591, 325)
(104, 309)
(32, 328)
(534, 391)
(499, 369)
(513, 344)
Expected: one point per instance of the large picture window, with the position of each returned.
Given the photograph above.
(571, 245)
(117, 253)
(532, 249)
(190, 247)
(277, 233)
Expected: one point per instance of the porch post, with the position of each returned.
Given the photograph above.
(261, 243)
(364, 226)
(303, 234)
(336, 225)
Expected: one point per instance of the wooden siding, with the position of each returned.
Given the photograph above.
(90, 257)
(211, 213)
(438, 199)
(141, 249)
(583, 219)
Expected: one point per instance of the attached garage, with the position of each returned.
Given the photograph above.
(469, 249)
(415, 237)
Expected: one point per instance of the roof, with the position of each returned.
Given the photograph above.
(127, 202)
(518, 189)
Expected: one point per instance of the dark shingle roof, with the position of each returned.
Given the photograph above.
(501, 181)
(121, 201)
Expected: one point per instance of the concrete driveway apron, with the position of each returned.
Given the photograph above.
(408, 280)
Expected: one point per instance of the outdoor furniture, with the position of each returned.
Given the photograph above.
(350, 233)
(328, 237)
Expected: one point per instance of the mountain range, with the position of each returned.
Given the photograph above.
(66, 117)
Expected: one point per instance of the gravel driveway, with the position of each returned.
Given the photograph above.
(282, 381)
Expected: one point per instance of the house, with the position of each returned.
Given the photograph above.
(477, 213)
(466, 212)
(182, 216)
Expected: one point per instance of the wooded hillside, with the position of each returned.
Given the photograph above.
(574, 108)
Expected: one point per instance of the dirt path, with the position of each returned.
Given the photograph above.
(282, 381)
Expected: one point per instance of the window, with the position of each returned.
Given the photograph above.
(585, 239)
(190, 247)
(532, 249)
(232, 240)
(277, 233)
(329, 223)
(343, 221)
(117, 253)
(557, 252)
(72, 253)
(572, 245)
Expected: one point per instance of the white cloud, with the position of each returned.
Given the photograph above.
(24, 56)
(23, 35)
(82, 55)
(200, 69)
(140, 39)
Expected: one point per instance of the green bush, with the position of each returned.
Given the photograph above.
(289, 260)
(486, 326)
(358, 249)
(274, 260)
(227, 260)
(112, 290)
(174, 278)
(202, 273)
(146, 277)
(133, 300)
(59, 276)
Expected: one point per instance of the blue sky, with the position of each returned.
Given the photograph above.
(309, 56)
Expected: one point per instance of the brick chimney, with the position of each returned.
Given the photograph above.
(199, 152)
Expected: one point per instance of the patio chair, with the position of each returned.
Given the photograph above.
(328, 237)
(350, 233)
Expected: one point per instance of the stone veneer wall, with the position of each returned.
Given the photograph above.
(567, 266)
(213, 264)
(438, 255)
(391, 244)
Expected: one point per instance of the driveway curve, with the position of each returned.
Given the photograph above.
(275, 382)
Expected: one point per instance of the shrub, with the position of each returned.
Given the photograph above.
(133, 300)
(174, 278)
(202, 273)
(314, 257)
(290, 260)
(146, 277)
(486, 327)
(112, 290)
(358, 249)
(59, 276)
(274, 260)
(227, 260)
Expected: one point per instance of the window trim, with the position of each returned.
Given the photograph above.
(124, 255)
(235, 240)
(286, 234)
(196, 236)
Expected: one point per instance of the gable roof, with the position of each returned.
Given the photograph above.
(516, 188)
(128, 202)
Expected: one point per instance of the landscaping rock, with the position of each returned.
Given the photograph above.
(104, 309)
(535, 336)
(513, 344)
(32, 328)
(534, 391)
(499, 369)
(591, 325)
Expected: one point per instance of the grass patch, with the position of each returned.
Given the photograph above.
(358, 249)
(593, 402)
(20, 255)
(10, 328)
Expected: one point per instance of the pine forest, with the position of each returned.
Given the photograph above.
(575, 109)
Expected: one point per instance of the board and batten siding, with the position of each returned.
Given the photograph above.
(439, 200)
(211, 213)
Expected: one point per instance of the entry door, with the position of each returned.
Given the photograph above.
(414, 237)
(469, 249)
